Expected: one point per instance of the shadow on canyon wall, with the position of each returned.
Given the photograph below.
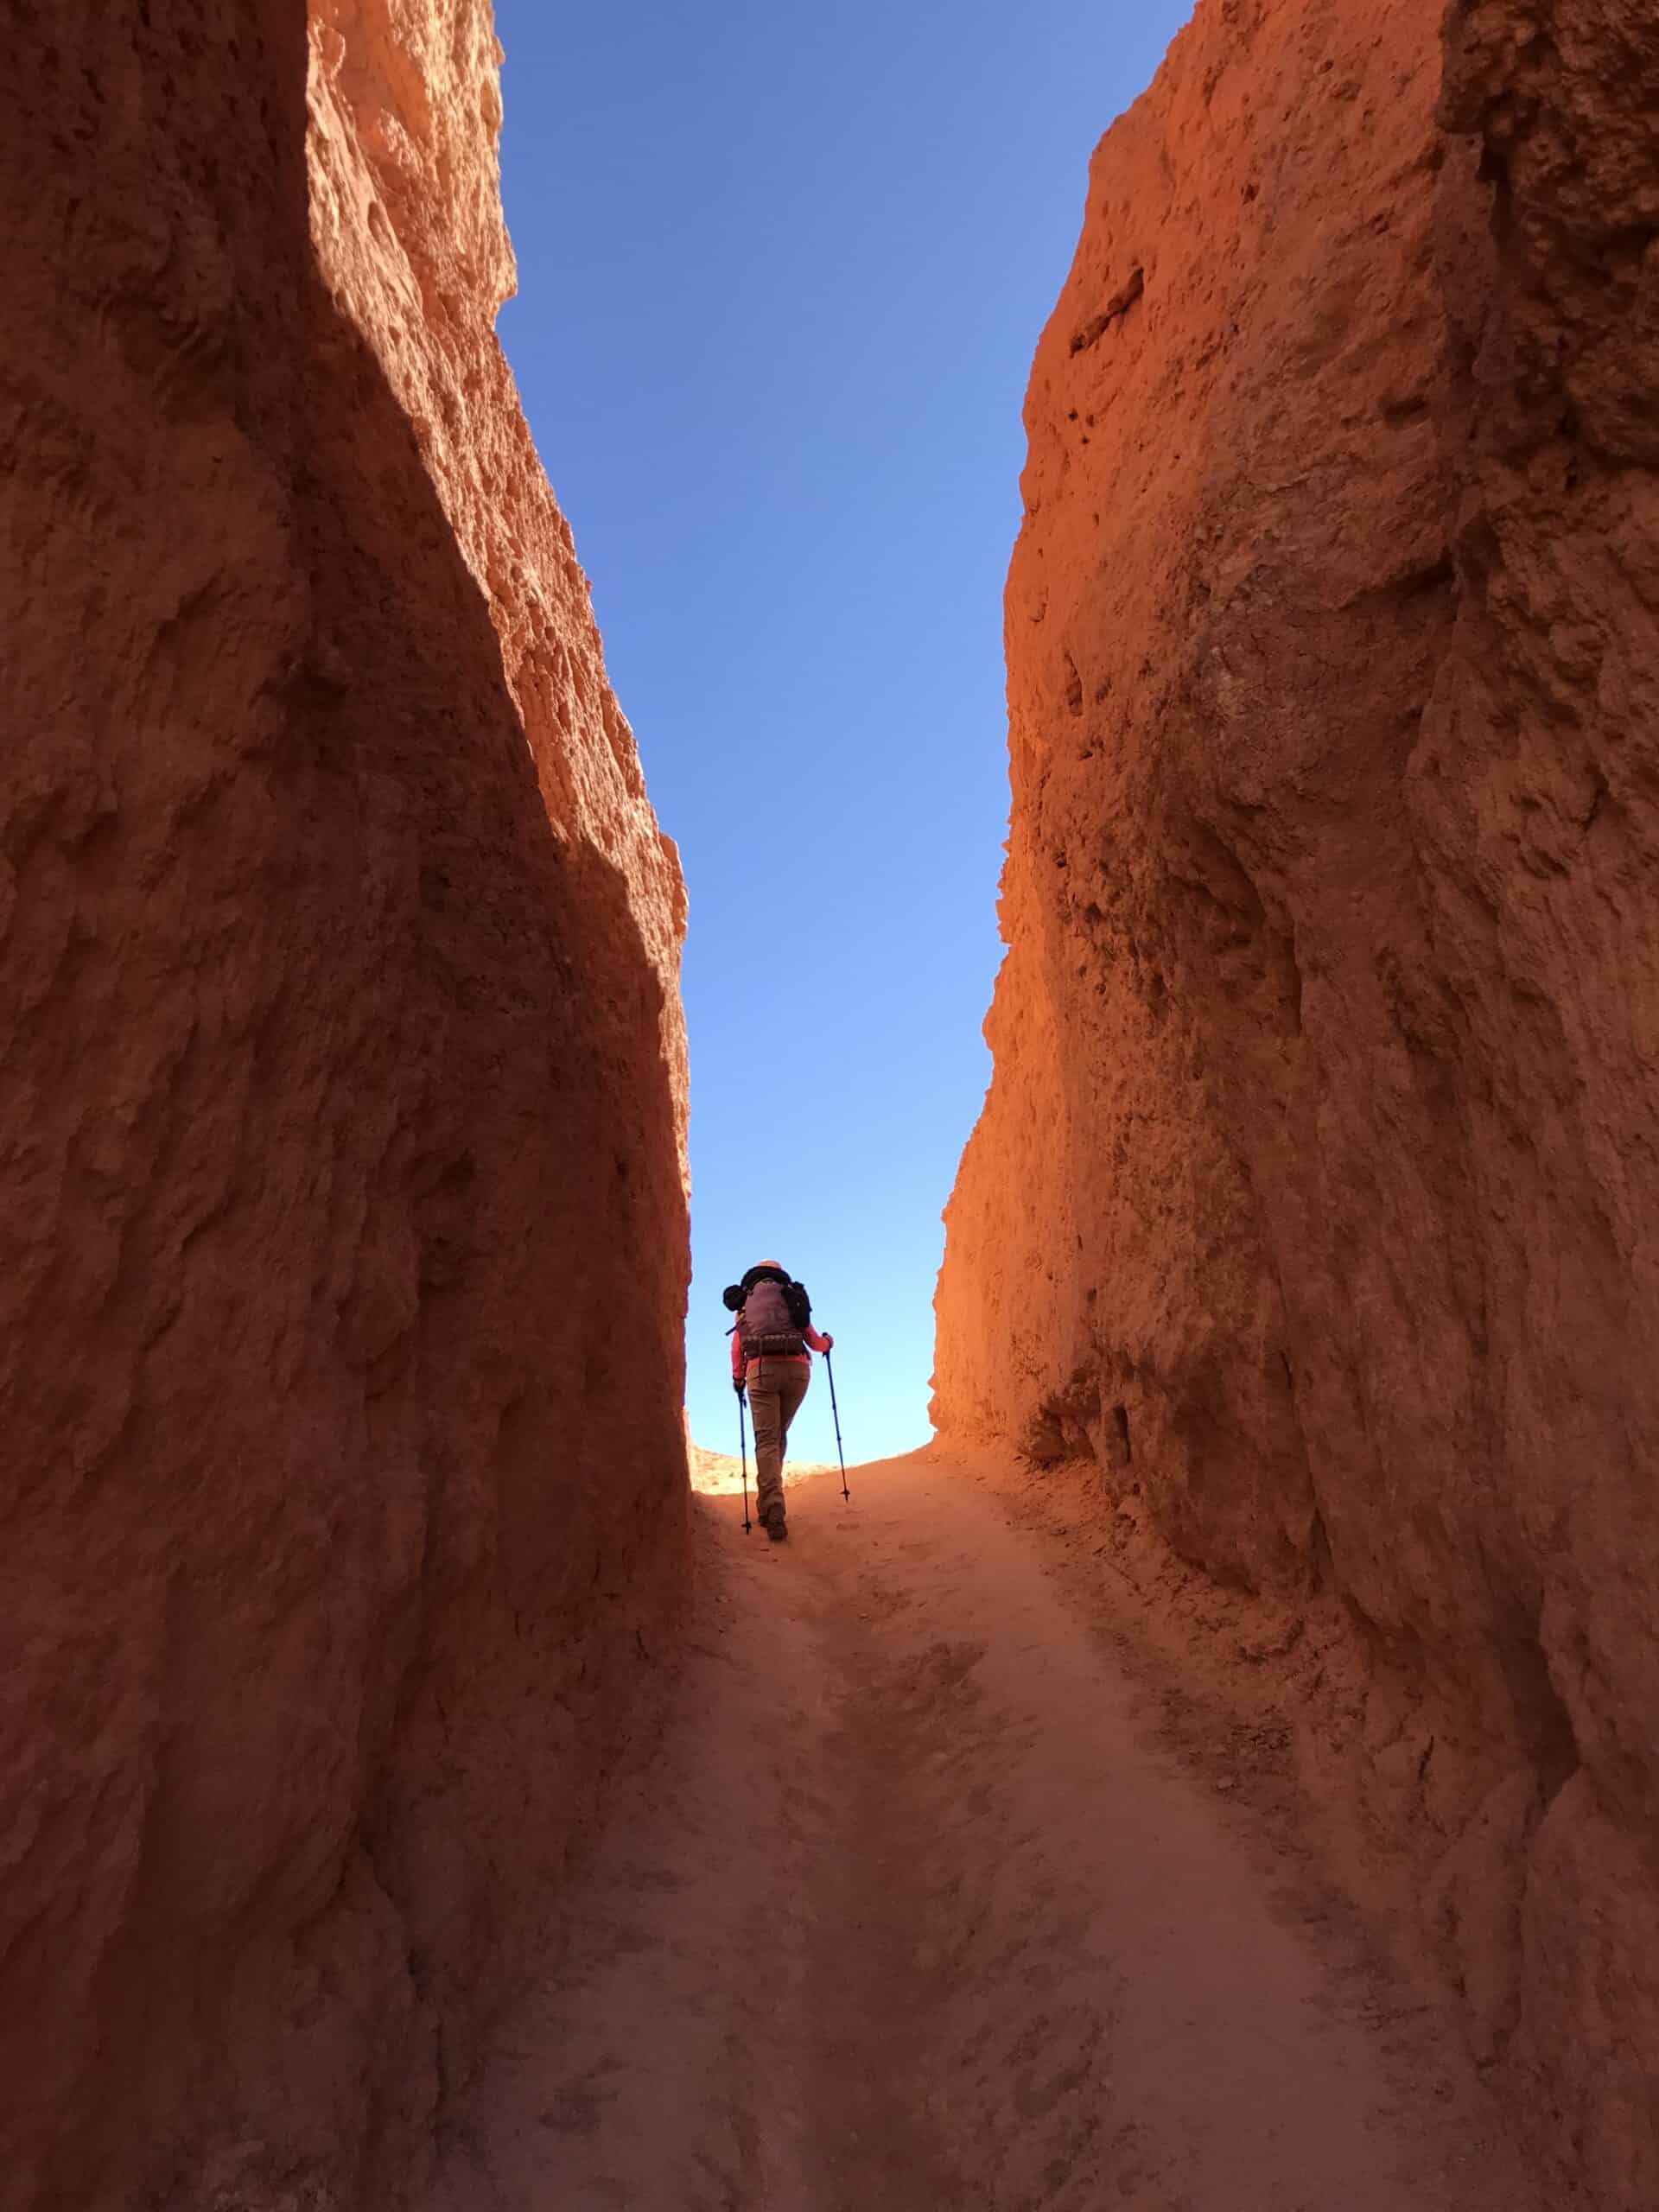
(343, 1219)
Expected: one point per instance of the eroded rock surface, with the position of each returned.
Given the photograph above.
(344, 1251)
(1312, 1205)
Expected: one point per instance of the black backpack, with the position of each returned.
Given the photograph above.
(781, 1320)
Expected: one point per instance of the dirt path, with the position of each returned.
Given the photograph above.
(910, 1912)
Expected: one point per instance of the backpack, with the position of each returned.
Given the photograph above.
(772, 1313)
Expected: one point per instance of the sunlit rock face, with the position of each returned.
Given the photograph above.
(1313, 1200)
(343, 1204)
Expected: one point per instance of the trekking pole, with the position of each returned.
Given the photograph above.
(829, 1370)
(743, 1447)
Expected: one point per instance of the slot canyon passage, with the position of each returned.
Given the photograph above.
(1222, 1774)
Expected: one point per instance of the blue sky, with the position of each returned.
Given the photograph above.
(782, 270)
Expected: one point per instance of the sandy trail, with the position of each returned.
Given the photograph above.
(910, 1910)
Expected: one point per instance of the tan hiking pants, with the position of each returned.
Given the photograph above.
(775, 1388)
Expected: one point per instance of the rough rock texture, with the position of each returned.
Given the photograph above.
(1313, 1201)
(343, 1236)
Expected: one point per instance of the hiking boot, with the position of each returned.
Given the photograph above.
(777, 1529)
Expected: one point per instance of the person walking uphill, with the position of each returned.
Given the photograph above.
(771, 1358)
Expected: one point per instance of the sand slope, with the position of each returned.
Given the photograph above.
(913, 1908)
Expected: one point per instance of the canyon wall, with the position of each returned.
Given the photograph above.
(342, 1213)
(1312, 1213)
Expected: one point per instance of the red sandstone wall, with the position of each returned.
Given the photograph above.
(1313, 1201)
(342, 1235)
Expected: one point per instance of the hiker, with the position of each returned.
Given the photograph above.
(771, 1358)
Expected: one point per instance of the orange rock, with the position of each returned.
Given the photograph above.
(343, 1204)
(1313, 1200)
